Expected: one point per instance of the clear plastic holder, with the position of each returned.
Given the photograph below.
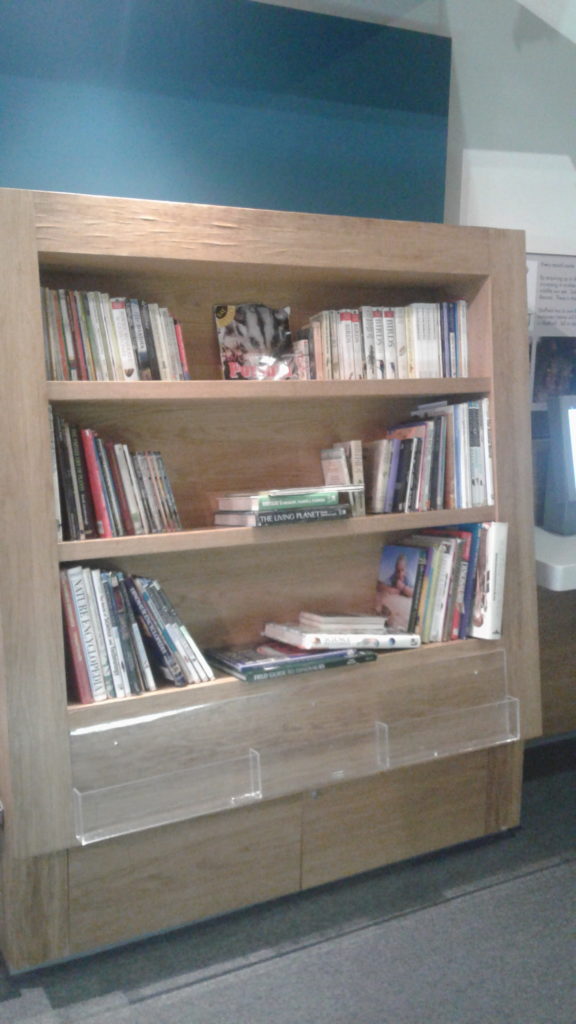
(445, 733)
(299, 733)
(162, 799)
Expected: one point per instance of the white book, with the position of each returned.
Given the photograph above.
(379, 342)
(167, 324)
(162, 356)
(359, 623)
(86, 631)
(390, 354)
(120, 682)
(292, 633)
(355, 463)
(367, 324)
(128, 360)
(488, 603)
(401, 350)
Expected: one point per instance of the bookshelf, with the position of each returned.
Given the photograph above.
(319, 804)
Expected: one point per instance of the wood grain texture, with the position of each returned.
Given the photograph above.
(34, 762)
(365, 824)
(557, 622)
(144, 883)
(214, 437)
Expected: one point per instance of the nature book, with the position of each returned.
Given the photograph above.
(283, 516)
(272, 659)
(287, 497)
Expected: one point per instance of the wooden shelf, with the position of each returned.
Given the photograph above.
(236, 537)
(178, 392)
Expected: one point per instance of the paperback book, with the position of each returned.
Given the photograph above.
(254, 342)
(271, 660)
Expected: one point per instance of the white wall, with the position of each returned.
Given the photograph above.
(512, 126)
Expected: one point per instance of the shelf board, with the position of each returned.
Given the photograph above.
(245, 536)
(251, 390)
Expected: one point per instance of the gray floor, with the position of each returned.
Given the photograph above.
(480, 934)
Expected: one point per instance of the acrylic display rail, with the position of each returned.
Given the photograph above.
(138, 773)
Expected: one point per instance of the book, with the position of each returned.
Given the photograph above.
(254, 341)
(279, 517)
(298, 636)
(271, 660)
(488, 600)
(355, 623)
(287, 497)
(399, 570)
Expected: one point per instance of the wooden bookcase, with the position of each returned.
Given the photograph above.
(61, 898)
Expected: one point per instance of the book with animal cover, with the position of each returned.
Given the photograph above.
(399, 570)
(279, 498)
(273, 660)
(254, 341)
(298, 636)
(283, 516)
(352, 623)
(488, 601)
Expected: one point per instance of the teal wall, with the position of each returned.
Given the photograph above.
(223, 101)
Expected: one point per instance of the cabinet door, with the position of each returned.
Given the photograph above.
(409, 811)
(167, 877)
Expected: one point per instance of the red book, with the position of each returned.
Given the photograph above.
(79, 678)
(181, 349)
(103, 524)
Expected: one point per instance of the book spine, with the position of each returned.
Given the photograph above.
(88, 640)
(489, 584)
(103, 524)
(172, 616)
(143, 667)
(302, 515)
(128, 358)
(259, 675)
(158, 644)
(80, 683)
(138, 338)
(125, 633)
(181, 350)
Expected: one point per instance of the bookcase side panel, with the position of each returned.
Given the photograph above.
(512, 452)
(35, 770)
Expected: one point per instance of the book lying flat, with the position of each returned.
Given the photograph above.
(342, 623)
(286, 497)
(292, 633)
(278, 517)
(271, 660)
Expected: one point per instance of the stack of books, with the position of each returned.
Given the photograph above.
(123, 636)
(325, 632)
(284, 505)
(91, 336)
(102, 489)
(445, 583)
(272, 660)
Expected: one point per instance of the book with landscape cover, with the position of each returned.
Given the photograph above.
(272, 659)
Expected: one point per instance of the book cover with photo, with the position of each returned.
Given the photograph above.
(255, 342)
(399, 574)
